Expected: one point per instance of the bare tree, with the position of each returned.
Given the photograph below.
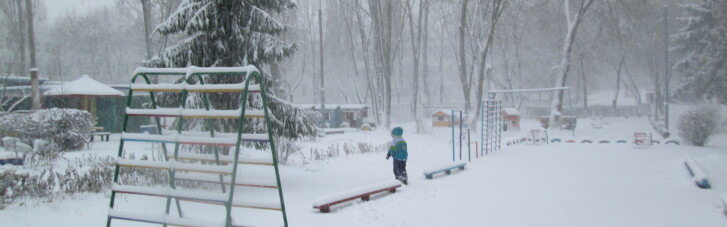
(573, 22)
(416, 43)
(382, 16)
(498, 7)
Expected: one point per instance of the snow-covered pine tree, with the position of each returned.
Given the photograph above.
(703, 45)
(228, 33)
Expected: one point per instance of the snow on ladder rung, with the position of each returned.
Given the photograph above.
(161, 219)
(195, 87)
(250, 137)
(194, 113)
(194, 140)
(222, 158)
(212, 178)
(173, 193)
(175, 165)
(222, 87)
(257, 205)
(157, 87)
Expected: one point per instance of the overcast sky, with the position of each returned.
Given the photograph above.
(57, 8)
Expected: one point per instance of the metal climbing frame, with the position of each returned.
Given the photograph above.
(491, 126)
(494, 132)
(211, 164)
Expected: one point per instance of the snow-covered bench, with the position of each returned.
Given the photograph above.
(642, 140)
(324, 203)
(444, 168)
(699, 177)
(104, 136)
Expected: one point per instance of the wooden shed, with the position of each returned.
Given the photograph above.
(443, 118)
(511, 118)
(103, 102)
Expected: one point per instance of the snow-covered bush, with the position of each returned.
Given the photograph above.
(285, 147)
(16, 145)
(698, 124)
(334, 150)
(87, 174)
(65, 129)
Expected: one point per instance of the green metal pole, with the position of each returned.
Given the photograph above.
(272, 145)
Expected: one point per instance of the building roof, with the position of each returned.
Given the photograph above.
(511, 111)
(448, 112)
(84, 86)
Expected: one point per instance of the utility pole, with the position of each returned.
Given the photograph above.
(33, 70)
(320, 33)
(666, 68)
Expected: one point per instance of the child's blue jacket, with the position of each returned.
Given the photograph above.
(397, 149)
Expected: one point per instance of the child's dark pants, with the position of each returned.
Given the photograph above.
(400, 169)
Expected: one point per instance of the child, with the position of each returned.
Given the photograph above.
(398, 150)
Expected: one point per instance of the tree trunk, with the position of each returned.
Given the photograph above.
(573, 24)
(618, 82)
(498, 7)
(585, 86)
(462, 61)
(371, 82)
(416, 40)
(382, 16)
(21, 40)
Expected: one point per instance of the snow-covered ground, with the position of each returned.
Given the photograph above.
(524, 185)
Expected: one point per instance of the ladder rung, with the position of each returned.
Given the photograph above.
(194, 87)
(223, 158)
(194, 113)
(222, 88)
(157, 87)
(176, 166)
(192, 140)
(161, 219)
(173, 193)
(259, 137)
(207, 178)
(257, 205)
(193, 196)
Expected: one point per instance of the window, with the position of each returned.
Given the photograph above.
(327, 116)
(440, 118)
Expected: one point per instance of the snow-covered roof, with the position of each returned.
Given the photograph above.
(511, 111)
(448, 112)
(84, 86)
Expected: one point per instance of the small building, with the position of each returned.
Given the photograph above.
(103, 102)
(443, 118)
(511, 118)
(354, 114)
(340, 115)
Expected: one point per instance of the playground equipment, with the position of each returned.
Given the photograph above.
(537, 136)
(204, 160)
(364, 193)
(698, 175)
(460, 133)
(447, 168)
(642, 140)
(491, 126)
(492, 117)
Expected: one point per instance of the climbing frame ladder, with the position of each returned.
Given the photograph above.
(217, 159)
(491, 126)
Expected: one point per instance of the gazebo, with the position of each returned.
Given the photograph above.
(102, 101)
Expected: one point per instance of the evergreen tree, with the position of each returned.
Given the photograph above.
(703, 44)
(229, 33)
